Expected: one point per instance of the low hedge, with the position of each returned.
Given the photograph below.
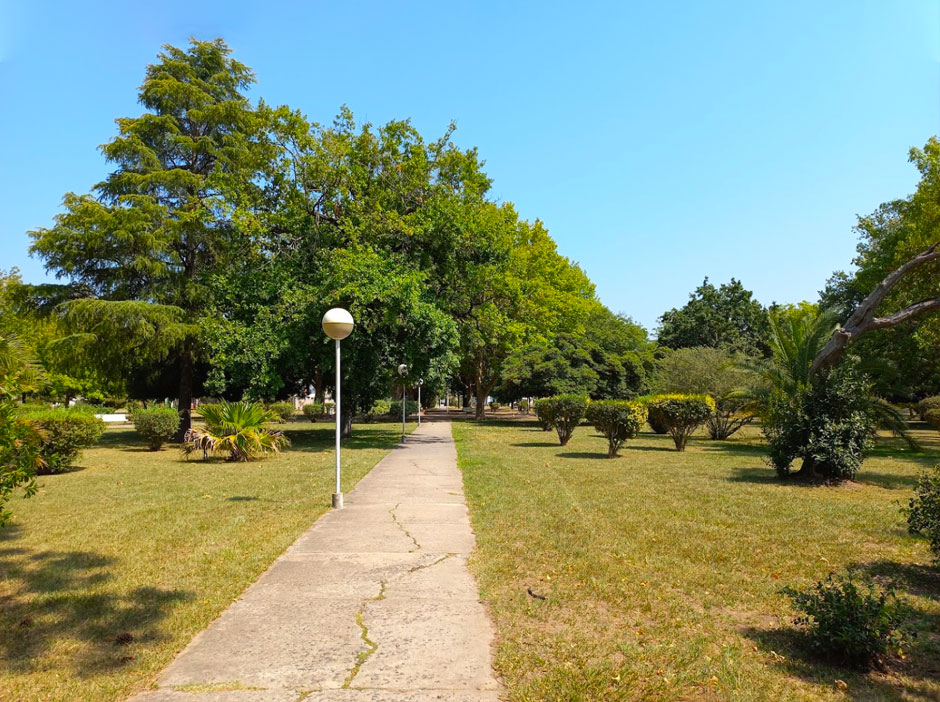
(411, 407)
(65, 432)
(312, 411)
(681, 414)
(932, 417)
(618, 420)
(285, 411)
(157, 425)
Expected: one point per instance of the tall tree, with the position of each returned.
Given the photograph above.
(167, 216)
(727, 316)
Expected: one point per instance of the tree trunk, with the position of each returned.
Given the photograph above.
(318, 388)
(185, 392)
(482, 394)
(347, 421)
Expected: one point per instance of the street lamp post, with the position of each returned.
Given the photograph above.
(337, 324)
(420, 383)
(403, 371)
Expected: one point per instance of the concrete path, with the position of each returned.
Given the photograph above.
(373, 603)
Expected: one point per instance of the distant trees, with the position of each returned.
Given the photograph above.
(722, 317)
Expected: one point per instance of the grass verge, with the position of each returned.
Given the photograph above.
(112, 568)
(657, 575)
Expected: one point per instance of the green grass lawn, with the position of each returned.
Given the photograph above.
(661, 571)
(111, 569)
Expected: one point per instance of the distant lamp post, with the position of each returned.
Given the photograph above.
(337, 324)
(403, 371)
(420, 383)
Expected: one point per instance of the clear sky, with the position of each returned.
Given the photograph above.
(660, 142)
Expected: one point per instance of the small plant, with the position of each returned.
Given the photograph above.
(157, 425)
(394, 408)
(313, 411)
(65, 432)
(849, 623)
(236, 430)
(542, 412)
(681, 414)
(495, 406)
(523, 406)
(923, 513)
(618, 420)
(564, 413)
(284, 411)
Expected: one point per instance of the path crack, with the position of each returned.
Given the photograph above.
(402, 527)
(363, 656)
(432, 564)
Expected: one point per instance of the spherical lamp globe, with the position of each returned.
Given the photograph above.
(337, 323)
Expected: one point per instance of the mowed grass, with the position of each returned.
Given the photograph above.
(111, 569)
(657, 575)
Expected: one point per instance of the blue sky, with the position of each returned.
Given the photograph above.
(659, 142)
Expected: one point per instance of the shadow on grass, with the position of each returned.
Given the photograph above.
(887, 481)
(536, 444)
(583, 454)
(55, 599)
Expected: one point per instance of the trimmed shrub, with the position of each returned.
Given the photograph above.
(495, 406)
(411, 407)
(618, 420)
(847, 622)
(926, 405)
(284, 411)
(682, 414)
(523, 406)
(657, 420)
(542, 410)
(157, 425)
(312, 411)
(932, 417)
(923, 513)
(564, 413)
(65, 432)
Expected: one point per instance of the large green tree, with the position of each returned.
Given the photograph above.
(172, 211)
(724, 317)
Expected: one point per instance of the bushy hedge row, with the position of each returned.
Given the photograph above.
(157, 425)
(411, 407)
(64, 433)
(618, 420)
(681, 415)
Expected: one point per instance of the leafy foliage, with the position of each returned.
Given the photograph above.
(618, 420)
(543, 410)
(236, 430)
(157, 425)
(848, 622)
(563, 413)
(923, 513)
(20, 441)
(680, 414)
(928, 404)
(63, 432)
(394, 408)
(932, 417)
(722, 317)
(312, 411)
(284, 411)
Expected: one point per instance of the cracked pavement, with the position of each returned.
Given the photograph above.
(373, 603)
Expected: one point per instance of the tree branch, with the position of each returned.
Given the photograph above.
(863, 318)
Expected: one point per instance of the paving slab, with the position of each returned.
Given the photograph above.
(373, 603)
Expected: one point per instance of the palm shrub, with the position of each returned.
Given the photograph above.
(543, 410)
(64, 432)
(564, 413)
(313, 411)
(848, 622)
(236, 430)
(682, 414)
(923, 513)
(284, 411)
(157, 425)
(618, 420)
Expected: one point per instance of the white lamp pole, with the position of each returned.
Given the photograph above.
(337, 324)
(420, 383)
(403, 371)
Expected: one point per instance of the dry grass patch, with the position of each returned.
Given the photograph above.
(661, 571)
(113, 568)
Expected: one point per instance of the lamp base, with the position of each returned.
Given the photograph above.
(337, 500)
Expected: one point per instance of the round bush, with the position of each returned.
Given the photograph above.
(394, 408)
(543, 410)
(923, 513)
(564, 413)
(157, 425)
(312, 411)
(928, 404)
(932, 417)
(618, 420)
(64, 433)
(284, 410)
(682, 414)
